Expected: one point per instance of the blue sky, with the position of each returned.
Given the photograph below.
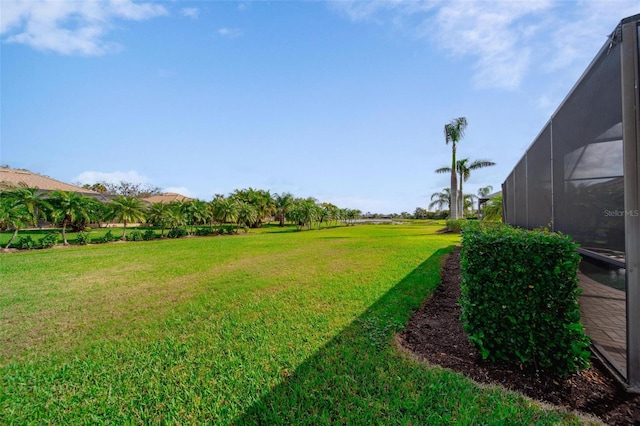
(343, 101)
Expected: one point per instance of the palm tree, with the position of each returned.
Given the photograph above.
(283, 202)
(175, 215)
(464, 170)
(68, 207)
(126, 210)
(261, 201)
(453, 132)
(225, 210)
(485, 191)
(196, 212)
(441, 199)
(35, 203)
(13, 215)
(247, 214)
(157, 214)
(492, 210)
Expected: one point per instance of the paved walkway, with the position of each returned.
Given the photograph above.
(603, 311)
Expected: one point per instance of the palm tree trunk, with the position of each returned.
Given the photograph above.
(453, 205)
(124, 231)
(64, 233)
(15, 233)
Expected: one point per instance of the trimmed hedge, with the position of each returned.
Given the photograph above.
(520, 298)
(455, 225)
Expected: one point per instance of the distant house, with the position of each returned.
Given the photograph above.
(14, 177)
(166, 198)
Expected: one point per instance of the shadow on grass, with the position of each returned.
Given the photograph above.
(360, 377)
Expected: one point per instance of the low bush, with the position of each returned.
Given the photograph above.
(107, 238)
(134, 236)
(48, 241)
(148, 235)
(455, 225)
(207, 230)
(177, 233)
(26, 243)
(520, 297)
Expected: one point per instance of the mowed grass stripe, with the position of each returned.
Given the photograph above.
(263, 328)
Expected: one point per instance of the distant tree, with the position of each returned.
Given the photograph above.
(128, 189)
(127, 210)
(485, 191)
(13, 215)
(454, 132)
(247, 215)
(196, 212)
(441, 199)
(492, 210)
(35, 202)
(68, 207)
(420, 213)
(260, 200)
(175, 216)
(464, 169)
(225, 210)
(283, 202)
(98, 187)
(158, 215)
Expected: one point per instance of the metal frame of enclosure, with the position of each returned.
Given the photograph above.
(580, 177)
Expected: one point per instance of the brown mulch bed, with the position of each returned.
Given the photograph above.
(435, 334)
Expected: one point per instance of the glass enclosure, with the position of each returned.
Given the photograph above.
(572, 180)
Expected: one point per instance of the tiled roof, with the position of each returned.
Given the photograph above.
(167, 197)
(13, 177)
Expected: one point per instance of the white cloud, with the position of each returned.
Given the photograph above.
(507, 40)
(190, 12)
(229, 32)
(69, 27)
(116, 177)
(181, 190)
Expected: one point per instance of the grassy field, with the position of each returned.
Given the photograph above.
(262, 328)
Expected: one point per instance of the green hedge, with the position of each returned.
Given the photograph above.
(455, 225)
(520, 297)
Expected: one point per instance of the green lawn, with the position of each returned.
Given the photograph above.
(262, 328)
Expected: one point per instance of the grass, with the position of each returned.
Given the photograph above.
(263, 328)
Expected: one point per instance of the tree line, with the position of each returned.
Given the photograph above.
(22, 207)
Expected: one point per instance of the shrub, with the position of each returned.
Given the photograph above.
(520, 297)
(455, 225)
(148, 235)
(207, 230)
(176, 233)
(26, 243)
(107, 238)
(48, 241)
(134, 236)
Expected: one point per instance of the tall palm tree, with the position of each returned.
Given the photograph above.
(68, 207)
(453, 132)
(464, 169)
(127, 210)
